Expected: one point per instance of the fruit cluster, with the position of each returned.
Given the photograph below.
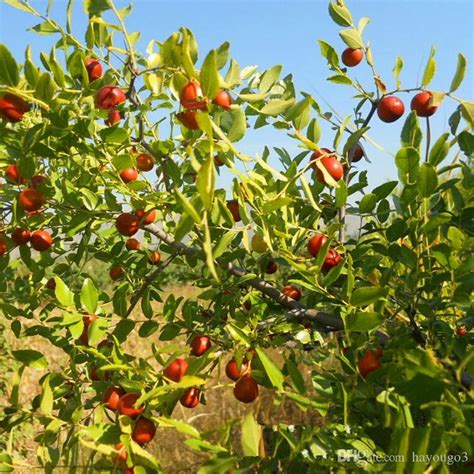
(192, 99)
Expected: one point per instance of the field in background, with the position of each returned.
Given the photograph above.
(221, 407)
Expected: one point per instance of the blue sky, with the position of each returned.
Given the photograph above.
(271, 32)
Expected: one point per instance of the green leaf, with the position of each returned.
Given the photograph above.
(276, 106)
(46, 28)
(63, 294)
(352, 38)
(299, 113)
(207, 247)
(27, 165)
(340, 14)
(223, 243)
(430, 69)
(206, 181)
(209, 77)
(383, 210)
(145, 304)
(239, 125)
(427, 181)
(313, 131)
(341, 79)
(114, 135)
(17, 4)
(97, 330)
(237, 334)
(367, 295)
(439, 150)
(459, 74)
(273, 171)
(8, 68)
(341, 193)
(187, 206)
(204, 122)
(411, 132)
(46, 400)
(89, 296)
(397, 229)
(232, 78)
(367, 203)
(148, 328)
(269, 77)
(276, 204)
(222, 55)
(397, 69)
(296, 377)
(309, 193)
(407, 161)
(364, 321)
(31, 358)
(251, 98)
(304, 403)
(251, 435)
(385, 189)
(121, 162)
(179, 425)
(32, 73)
(56, 69)
(154, 82)
(328, 52)
(96, 7)
(271, 369)
(6, 461)
(45, 88)
(466, 143)
(363, 22)
(467, 110)
(456, 237)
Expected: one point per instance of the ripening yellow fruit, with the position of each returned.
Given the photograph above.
(258, 244)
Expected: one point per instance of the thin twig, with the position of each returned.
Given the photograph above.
(148, 281)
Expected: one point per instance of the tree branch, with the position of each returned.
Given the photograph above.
(297, 310)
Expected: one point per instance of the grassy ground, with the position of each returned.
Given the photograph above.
(168, 445)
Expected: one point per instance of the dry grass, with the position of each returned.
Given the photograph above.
(168, 445)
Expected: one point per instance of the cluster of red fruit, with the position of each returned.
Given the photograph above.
(129, 224)
(391, 108)
(192, 99)
(332, 259)
(12, 108)
(30, 200)
(144, 429)
(134, 245)
(108, 97)
(39, 240)
(145, 162)
(245, 389)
